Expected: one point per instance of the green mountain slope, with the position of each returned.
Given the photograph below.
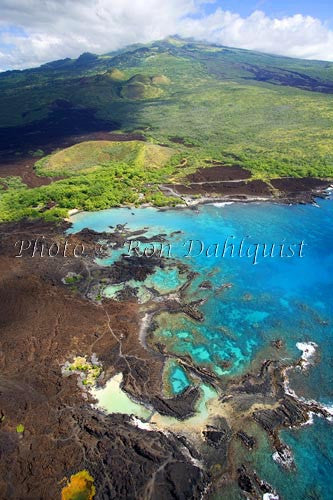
(270, 114)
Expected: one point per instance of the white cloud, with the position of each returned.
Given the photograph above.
(46, 30)
(296, 36)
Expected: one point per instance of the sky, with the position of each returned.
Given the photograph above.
(33, 32)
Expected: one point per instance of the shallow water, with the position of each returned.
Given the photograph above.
(113, 399)
(175, 377)
(285, 297)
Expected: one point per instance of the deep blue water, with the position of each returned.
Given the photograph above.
(278, 297)
(312, 448)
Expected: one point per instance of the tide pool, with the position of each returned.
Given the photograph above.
(112, 399)
(175, 378)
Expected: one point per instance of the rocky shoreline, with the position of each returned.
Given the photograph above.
(46, 321)
(284, 190)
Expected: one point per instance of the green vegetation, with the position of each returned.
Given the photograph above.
(72, 278)
(141, 87)
(85, 157)
(270, 114)
(93, 187)
(20, 428)
(11, 182)
(116, 75)
(89, 371)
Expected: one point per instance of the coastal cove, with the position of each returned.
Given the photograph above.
(246, 310)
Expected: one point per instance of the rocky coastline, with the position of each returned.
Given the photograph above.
(46, 321)
(227, 184)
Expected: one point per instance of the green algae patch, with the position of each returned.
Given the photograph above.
(80, 487)
(89, 371)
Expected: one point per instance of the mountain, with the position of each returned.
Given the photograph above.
(271, 115)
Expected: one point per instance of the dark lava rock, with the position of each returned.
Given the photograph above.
(127, 293)
(248, 441)
(240, 189)
(193, 313)
(134, 268)
(300, 190)
(178, 480)
(244, 481)
(218, 434)
(214, 437)
(261, 384)
(263, 485)
(128, 462)
(295, 185)
(219, 173)
(289, 413)
(206, 285)
(181, 407)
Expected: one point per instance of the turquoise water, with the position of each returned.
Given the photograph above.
(178, 379)
(164, 280)
(286, 297)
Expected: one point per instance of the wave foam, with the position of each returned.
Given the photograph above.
(308, 351)
(270, 496)
(222, 203)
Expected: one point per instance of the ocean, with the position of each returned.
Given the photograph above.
(277, 284)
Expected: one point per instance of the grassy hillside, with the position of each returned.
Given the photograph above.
(271, 114)
(86, 157)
